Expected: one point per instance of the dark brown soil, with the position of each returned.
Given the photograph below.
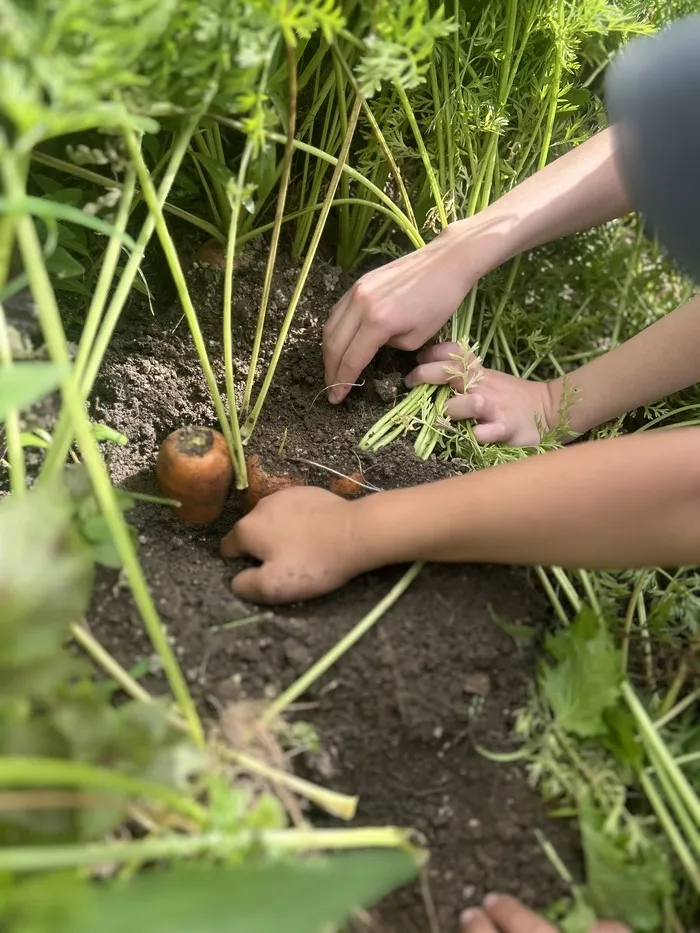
(400, 714)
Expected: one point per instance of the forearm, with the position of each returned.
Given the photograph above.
(576, 192)
(623, 503)
(657, 362)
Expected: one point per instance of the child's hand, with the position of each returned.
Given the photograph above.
(402, 304)
(307, 541)
(506, 408)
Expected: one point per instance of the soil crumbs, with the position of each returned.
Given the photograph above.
(400, 716)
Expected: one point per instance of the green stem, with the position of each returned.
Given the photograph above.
(237, 454)
(54, 336)
(15, 451)
(63, 436)
(552, 595)
(401, 219)
(112, 668)
(429, 171)
(105, 279)
(31, 771)
(217, 844)
(303, 275)
(276, 227)
(178, 275)
(300, 686)
(653, 742)
(666, 820)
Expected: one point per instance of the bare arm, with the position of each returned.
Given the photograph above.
(657, 362)
(406, 302)
(580, 190)
(623, 503)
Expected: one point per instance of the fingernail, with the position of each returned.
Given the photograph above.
(491, 900)
(467, 916)
(334, 396)
(408, 382)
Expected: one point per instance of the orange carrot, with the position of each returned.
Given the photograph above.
(262, 484)
(194, 468)
(347, 486)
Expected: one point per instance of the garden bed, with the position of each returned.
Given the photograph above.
(401, 714)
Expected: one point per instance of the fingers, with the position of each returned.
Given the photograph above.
(476, 921)
(471, 405)
(439, 351)
(360, 351)
(436, 374)
(231, 546)
(255, 585)
(513, 917)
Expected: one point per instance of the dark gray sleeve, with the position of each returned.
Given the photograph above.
(653, 98)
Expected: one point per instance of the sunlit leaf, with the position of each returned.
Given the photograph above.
(584, 681)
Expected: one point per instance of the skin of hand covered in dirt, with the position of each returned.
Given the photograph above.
(628, 502)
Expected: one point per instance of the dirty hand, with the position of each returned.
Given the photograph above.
(402, 304)
(306, 541)
(505, 914)
(505, 408)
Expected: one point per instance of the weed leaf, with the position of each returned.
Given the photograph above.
(585, 680)
(630, 890)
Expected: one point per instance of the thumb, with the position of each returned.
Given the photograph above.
(256, 585)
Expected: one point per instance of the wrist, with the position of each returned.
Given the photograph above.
(481, 243)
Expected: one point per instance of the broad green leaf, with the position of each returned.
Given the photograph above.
(64, 265)
(585, 680)
(289, 898)
(25, 383)
(41, 207)
(629, 890)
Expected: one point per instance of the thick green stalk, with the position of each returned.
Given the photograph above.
(303, 275)
(215, 844)
(300, 686)
(63, 436)
(654, 743)
(178, 275)
(235, 206)
(25, 771)
(105, 279)
(15, 451)
(54, 336)
(685, 857)
(276, 227)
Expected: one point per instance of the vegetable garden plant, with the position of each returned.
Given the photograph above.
(251, 119)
